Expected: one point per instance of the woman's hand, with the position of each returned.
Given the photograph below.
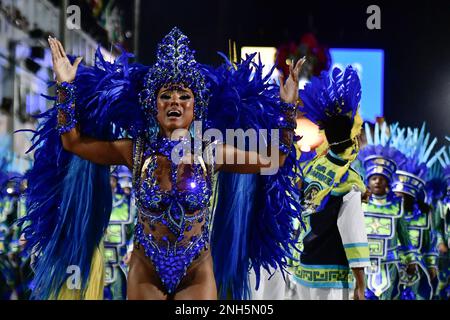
(289, 90)
(63, 69)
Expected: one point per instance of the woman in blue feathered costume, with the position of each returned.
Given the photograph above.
(128, 114)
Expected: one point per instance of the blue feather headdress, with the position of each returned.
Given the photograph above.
(326, 97)
(332, 102)
(444, 159)
(124, 177)
(378, 156)
(175, 64)
(416, 147)
(435, 183)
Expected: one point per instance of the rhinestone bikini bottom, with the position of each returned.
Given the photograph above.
(171, 261)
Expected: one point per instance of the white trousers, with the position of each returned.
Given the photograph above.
(307, 293)
(273, 289)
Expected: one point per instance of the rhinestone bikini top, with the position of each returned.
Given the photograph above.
(190, 189)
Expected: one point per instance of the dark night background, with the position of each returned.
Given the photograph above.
(415, 37)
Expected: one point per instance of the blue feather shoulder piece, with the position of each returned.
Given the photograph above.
(107, 95)
(254, 214)
(69, 198)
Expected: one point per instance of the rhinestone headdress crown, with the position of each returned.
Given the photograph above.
(175, 64)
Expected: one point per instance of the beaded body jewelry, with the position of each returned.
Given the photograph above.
(66, 107)
(178, 218)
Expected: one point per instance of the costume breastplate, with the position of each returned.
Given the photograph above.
(177, 219)
(380, 215)
(418, 222)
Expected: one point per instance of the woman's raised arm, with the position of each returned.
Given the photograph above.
(117, 152)
(254, 162)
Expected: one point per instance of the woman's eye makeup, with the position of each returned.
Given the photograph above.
(182, 96)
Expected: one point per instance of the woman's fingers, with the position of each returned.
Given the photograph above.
(51, 48)
(281, 79)
(292, 72)
(77, 62)
(61, 49)
(298, 67)
(299, 64)
(294, 75)
(55, 51)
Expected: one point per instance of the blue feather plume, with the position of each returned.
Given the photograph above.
(436, 186)
(416, 147)
(69, 198)
(381, 145)
(325, 97)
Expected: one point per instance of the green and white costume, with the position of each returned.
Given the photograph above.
(442, 214)
(335, 239)
(118, 242)
(386, 232)
(386, 229)
(409, 180)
